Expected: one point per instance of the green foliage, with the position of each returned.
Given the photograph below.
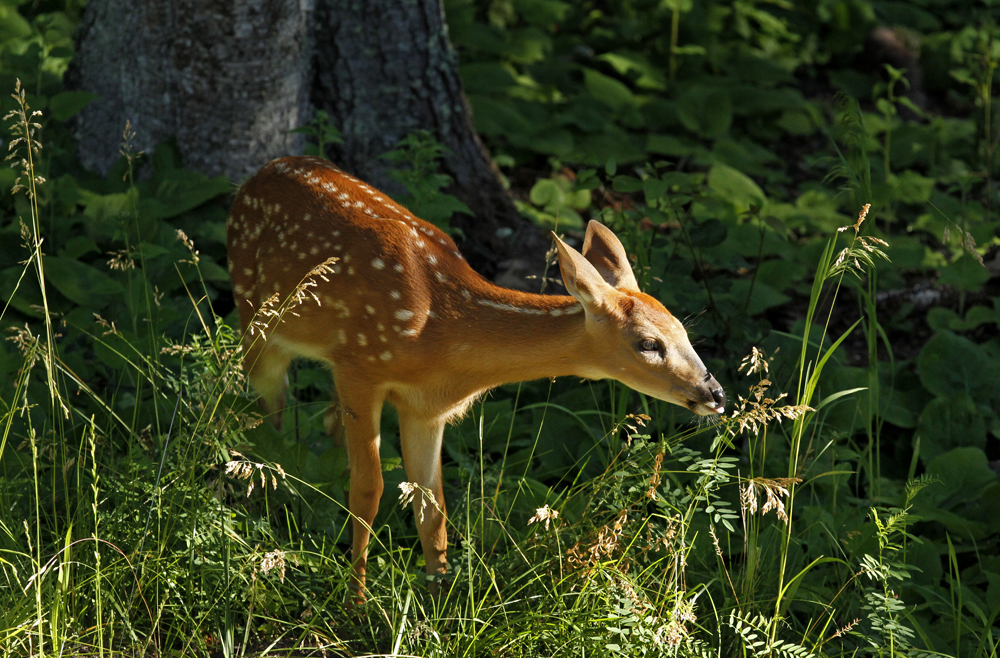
(321, 132)
(147, 509)
(417, 157)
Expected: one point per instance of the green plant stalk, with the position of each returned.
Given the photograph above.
(31, 147)
(956, 593)
(804, 391)
(873, 330)
(37, 557)
(98, 575)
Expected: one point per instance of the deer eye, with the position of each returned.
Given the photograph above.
(649, 346)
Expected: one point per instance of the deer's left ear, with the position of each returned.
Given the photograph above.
(605, 252)
(582, 279)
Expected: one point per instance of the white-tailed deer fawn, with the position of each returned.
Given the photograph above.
(401, 318)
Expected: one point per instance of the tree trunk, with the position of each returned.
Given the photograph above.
(228, 79)
(385, 68)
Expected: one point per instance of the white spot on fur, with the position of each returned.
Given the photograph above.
(385, 356)
(378, 263)
(341, 308)
(394, 294)
(403, 314)
(370, 310)
(362, 340)
(509, 307)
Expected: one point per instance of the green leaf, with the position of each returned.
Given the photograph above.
(963, 473)
(951, 422)
(965, 274)
(950, 364)
(795, 122)
(542, 13)
(646, 75)
(736, 187)
(910, 187)
(626, 184)
(709, 233)
(608, 90)
(67, 104)
(80, 282)
(180, 190)
(546, 191)
(764, 296)
(673, 146)
(13, 26)
(707, 111)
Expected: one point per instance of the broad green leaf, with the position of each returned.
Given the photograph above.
(950, 364)
(545, 192)
(13, 26)
(707, 111)
(542, 13)
(646, 75)
(626, 184)
(736, 187)
(963, 473)
(965, 274)
(181, 190)
(608, 90)
(795, 122)
(762, 298)
(80, 282)
(672, 145)
(951, 422)
(910, 187)
(485, 78)
(67, 104)
(709, 233)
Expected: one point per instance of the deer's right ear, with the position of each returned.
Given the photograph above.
(605, 251)
(582, 279)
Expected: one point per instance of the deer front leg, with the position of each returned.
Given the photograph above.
(361, 412)
(421, 443)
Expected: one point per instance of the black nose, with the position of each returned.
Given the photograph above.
(719, 396)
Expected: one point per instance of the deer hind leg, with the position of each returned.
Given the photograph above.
(360, 409)
(421, 442)
(266, 365)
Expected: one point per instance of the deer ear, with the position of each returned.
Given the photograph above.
(581, 278)
(605, 252)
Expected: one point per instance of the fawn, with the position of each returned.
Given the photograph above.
(389, 303)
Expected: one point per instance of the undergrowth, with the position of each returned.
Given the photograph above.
(844, 506)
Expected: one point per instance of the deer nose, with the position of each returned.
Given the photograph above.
(718, 395)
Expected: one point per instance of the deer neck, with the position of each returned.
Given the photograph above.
(513, 336)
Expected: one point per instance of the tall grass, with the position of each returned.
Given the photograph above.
(164, 531)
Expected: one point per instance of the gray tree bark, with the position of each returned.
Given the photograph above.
(228, 79)
(385, 68)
